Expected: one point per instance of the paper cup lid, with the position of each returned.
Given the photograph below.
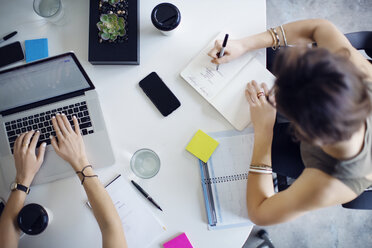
(33, 219)
(165, 16)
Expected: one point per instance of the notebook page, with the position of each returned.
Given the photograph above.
(231, 101)
(232, 157)
(141, 227)
(202, 75)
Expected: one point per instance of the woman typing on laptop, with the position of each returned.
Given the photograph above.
(324, 93)
(69, 145)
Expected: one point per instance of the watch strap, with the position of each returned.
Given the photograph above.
(21, 187)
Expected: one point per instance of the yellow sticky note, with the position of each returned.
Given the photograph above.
(202, 146)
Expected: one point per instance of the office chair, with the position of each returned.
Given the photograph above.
(361, 41)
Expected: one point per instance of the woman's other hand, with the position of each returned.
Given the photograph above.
(263, 114)
(70, 145)
(233, 50)
(27, 163)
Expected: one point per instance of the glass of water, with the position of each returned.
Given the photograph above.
(145, 163)
(52, 10)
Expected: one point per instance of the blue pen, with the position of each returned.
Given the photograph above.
(222, 52)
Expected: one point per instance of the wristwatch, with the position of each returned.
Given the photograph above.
(18, 186)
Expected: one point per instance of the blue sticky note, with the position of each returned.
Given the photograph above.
(36, 49)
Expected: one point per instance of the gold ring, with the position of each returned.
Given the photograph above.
(259, 94)
(25, 145)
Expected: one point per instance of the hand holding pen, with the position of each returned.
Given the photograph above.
(222, 52)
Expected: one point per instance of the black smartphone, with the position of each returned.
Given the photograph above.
(11, 53)
(160, 95)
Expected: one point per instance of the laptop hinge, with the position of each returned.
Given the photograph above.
(42, 103)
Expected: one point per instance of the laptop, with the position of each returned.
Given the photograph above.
(31, 94)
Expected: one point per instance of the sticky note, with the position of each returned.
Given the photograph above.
(202, 146)
(36, 49)
(181, 241)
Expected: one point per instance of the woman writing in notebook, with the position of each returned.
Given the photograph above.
(324, 93)
(69, 146)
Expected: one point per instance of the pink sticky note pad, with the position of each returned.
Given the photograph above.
(181, 241)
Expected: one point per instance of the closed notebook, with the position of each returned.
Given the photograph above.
(225, 89)
(224, 179)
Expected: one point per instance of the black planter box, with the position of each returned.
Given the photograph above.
(105, 53)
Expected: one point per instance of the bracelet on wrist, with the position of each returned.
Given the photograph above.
(83, 175)
(260, 168)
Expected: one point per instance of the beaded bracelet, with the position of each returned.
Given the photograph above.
(83, 175)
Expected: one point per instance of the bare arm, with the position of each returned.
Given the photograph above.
(27, 164)
(313, 189)
(321, 31)
(71, 148)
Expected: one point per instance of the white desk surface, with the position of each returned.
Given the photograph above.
(132, 120)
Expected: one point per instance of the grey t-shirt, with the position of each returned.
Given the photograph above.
(351, 172)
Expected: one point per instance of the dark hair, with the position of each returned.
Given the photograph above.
(323, 94)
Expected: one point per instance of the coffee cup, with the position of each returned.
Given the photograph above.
(33, 219)
(166, 17)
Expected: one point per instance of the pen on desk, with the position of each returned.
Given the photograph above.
(222, 52)
(148, 197)
(8, 36)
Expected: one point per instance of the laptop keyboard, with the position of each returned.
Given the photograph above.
(43, 123)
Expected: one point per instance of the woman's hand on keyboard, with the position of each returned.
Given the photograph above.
(69, 144)
(27, 162)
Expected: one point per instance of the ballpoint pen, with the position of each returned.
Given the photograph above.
(148, 197)
(8, 36)
(221, 53)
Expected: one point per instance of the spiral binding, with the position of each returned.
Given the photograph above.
(225, 179)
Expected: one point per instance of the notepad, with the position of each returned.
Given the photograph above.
(202, 146)
(36, 49)
(225, 89)
(224, 180)
(181, 241)
(141, 227)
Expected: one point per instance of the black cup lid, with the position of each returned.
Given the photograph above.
(33, 219)
(165, 16)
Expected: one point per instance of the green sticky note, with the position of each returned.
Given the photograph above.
(202, 146)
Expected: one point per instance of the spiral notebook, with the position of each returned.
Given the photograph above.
(224, 179)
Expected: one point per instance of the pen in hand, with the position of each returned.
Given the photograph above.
(148, 197)
(222, 52)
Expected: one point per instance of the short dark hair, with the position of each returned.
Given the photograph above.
(323, 94)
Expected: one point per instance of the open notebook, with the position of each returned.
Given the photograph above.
(141, 227)
(225, 89)
(224, 179)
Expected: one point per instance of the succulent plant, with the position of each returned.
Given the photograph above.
(111, 26)
(112, 2)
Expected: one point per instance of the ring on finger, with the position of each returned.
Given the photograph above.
(259, 94)
(25, 145)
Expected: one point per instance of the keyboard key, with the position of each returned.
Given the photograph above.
(42, 137)
(91, 131)
(11, 133)
(71, 106)
(59, 109)
(31, 122)
(82, 108)
(29, 128)
(25, 124)
(34, 127)
(53, 133)
(40, 125)
(24, 119)
(84, 132)
(19, 120)
(13, 122)
(83, 103)
(30, 117)
(23, 129)
(80, 114)
(76, 110)
(37, 115)
(14, 126)
(48, 112)
(70, 111)
(36, 120)
(47, 117)
(85, 125)
(42, 114)
(7, 123)
(43, 130)
(54, 111)
(8, 128)
(85, 119)
(77, 104)
(49, 129)
(18, 131)
(86, 113)
(46, 123)
(47, 135)
(12, 139)
(65, 107)
(42, 119)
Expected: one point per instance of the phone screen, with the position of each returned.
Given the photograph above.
(160, 95)
(11, 53)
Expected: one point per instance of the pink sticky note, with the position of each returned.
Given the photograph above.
(181, 241)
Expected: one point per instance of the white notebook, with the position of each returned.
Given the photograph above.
(224, 179)
(141, 227)
(225, 89)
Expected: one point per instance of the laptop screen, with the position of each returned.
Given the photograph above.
(40, 81)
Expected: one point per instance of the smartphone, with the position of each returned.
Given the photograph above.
(11, 53)
(160, 95)
(2, 205)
